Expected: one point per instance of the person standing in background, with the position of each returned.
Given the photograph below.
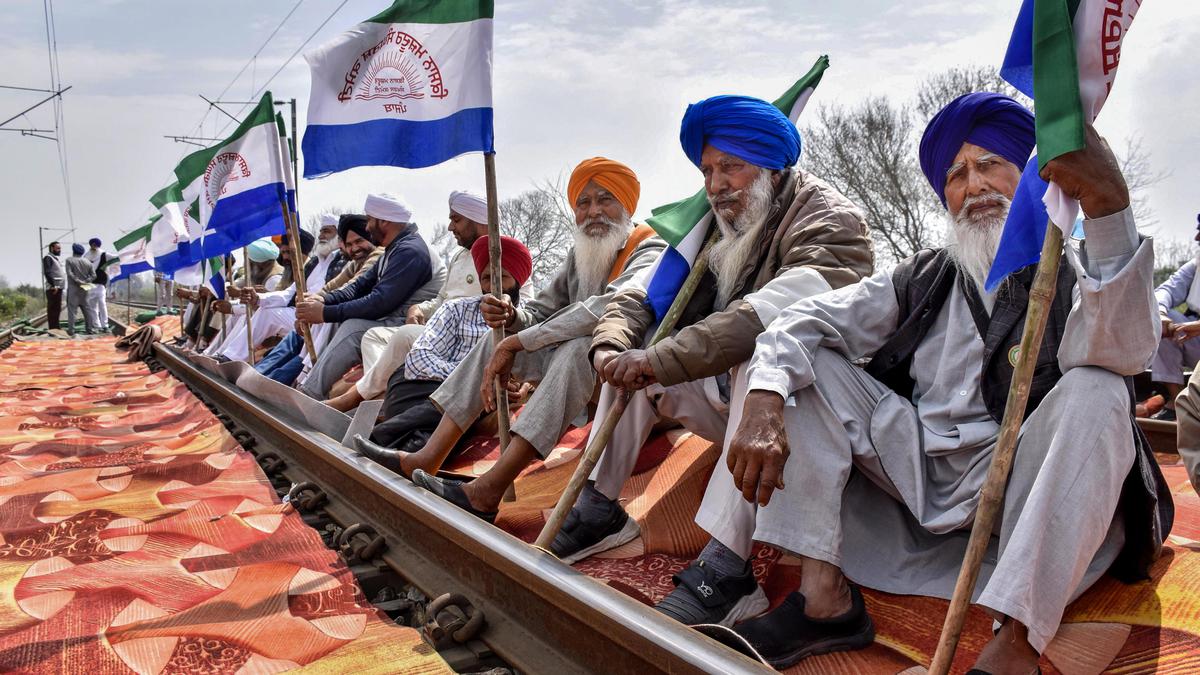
(56, 281)
(80, 276)
(97, 295)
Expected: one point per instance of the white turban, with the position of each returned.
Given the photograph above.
(388, 207)
(470, 206)
(329, 220)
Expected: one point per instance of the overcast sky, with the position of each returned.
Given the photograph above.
(573, 79)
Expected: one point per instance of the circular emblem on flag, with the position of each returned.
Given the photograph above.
(1013, 355)
(470, 278)
(397, 69)
(225, 168)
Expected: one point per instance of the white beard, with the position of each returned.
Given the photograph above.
(595, 254)
(739, 240)
(324, 248)
(972, 242)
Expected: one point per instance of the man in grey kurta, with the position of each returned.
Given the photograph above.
(882, 482)
(1179, 310)
(551, 341)
(80, 277)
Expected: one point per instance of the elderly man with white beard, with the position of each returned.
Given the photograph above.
(874, 475)
(785, 235)
(552, 335)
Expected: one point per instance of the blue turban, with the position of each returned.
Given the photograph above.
(77, 249)
(745, 127)
(990, 121)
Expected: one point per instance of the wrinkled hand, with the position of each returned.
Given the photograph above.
(1185, 331)
(1090, 175)
(183, 293)
(500, 365)
(601, 358)
(497, 312)
(759, 448)
(415, 315)
(300, 326)
(250, 298)
(311, 311)
(233, 292)
(222, 306)
(630, 369)
(1168, 326)
(518, 391)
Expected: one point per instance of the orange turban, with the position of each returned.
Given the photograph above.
(613, 176)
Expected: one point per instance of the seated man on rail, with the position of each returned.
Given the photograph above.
(405, 274)
(785, 234)
(449, 336)
(384, 348)
(274, 313)
(286, 360)
(883, 466)
(552, 331)
(264, 273)
(1179, 350)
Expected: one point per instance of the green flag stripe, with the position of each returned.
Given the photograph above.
(1059, 119)
(142, 232)
(167, 195)
(195, 164)
(810, 81)
(435, 11)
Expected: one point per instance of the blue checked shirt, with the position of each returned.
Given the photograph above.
(449, 336)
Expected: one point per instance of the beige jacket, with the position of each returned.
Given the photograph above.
(815, 240)
(350, 272)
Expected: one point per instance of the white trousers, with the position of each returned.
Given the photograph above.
(97, 306)
(384, 349)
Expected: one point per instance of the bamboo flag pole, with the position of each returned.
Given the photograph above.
(249, 309)
(224, 285)
(494, 257)
(1041, 295)
(293, 230)
(596, 448)
(128, 300)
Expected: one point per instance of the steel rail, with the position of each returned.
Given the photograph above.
(542, 615)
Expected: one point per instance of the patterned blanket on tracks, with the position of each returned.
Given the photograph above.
(137, 536)
(1150, 627)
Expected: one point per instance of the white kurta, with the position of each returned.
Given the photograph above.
(898, 521)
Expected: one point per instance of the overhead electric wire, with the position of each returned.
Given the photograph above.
(60, 132)
(263, 86)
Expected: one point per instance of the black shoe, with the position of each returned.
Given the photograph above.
(579, 539)
(451, 491)
(385, 457)
(1164, 415)
(785, 635)
(701, 596)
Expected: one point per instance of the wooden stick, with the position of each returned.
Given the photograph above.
(293, 229)
(249, 309)
(204, 306)
(494, 258)
(129, 299)
(595, 449)
(224, 286)
(991, 498)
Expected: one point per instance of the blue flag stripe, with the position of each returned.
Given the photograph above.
(1025, 228)
(390, 142)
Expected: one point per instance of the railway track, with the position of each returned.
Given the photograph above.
(541, 616)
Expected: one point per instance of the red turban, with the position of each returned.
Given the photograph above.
(613, 176)
(514, 257)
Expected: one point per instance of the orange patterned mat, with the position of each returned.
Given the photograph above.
(1150, 627)
(136, 536)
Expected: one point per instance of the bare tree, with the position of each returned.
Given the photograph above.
(868, 153)
(444, 245)
(1140, 175)
(1169, 255)
(938, 90)
(541, 219)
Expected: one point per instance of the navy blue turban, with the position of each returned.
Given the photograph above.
(77, 249)
(745, 127)
(990, 121)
